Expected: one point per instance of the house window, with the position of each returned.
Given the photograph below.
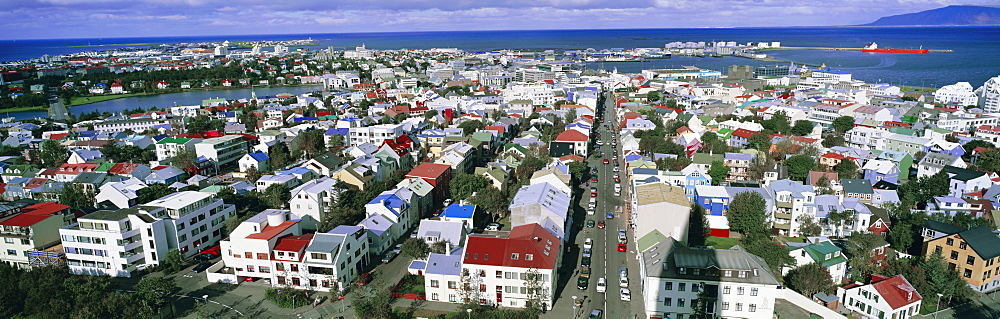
(262, 256)
(725, 305)
(739, 306)
(950, 242)
(954, 255)
(452, 285)
(434, 296)
(725, 290)
(249, 268)
(753, 307)
(970, 260)
(682, 287)
(680, 302)
(667, 301)
(937, 249)
(753, 291)
(739, 290)
(499, 274)
(434, 283)
(668, 286)
(513, 256)
(961, 245)
(968, 273)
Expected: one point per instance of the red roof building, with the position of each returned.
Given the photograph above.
(438, 175)
(572, 136)
(291, 247)
(524, 240)
(889, 297)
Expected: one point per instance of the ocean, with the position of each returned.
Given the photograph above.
(975, 58)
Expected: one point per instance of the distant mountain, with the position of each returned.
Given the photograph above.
(950, 15)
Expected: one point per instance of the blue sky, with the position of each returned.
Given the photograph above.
(36, 19)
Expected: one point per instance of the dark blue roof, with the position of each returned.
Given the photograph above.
(259, 156)
(459, 211)
(305, 118)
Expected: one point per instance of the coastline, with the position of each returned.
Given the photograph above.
(127, 95)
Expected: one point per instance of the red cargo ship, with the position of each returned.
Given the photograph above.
(872, 47)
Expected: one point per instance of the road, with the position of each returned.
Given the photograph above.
(57, 111)
(606, 259)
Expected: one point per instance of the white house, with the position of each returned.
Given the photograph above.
(122, 194)
(884, 297)
(818, 250)
(960, 93)
(254, 161)
(526, 257)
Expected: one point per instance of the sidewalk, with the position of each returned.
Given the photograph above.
(987, 306)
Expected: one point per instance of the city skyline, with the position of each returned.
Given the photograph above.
(53, 19)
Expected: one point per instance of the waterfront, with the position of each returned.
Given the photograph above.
(170, 99)
(974, 59)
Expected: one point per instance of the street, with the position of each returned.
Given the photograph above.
(606, 259)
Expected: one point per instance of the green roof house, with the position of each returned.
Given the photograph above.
(821, 250)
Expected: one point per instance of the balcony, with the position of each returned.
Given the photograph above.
(787, 216)
(783, 226)
(783, 204)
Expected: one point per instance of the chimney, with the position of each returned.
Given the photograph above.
(447, 248)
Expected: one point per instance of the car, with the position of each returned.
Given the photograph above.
(590, 223)
(582, 283)
(493, 227)
(605, 161)
(596, 314)
(622, 248)
(626, 294)
(600, 224)
(204, 257)
(590, 210)
(618, 193)
(623, 272)
(599, 142)
(201, 266)
(585, 261)
(390, 256)
(610, 215)
(398, 247)
(414, 234)
(585, 272)
(593, 189)
(616, 163)
(615, 157)
(593, 179)
(587, 252)
(622, 235)
(623, 282)
(615, 169)
(213, 251)
(593, 194)
(617, 180)
(588, 243)
(602, 285)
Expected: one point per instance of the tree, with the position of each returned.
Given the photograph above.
(75, 196)
(809, 279)
(860, 247)
(53, 154)
(312, 142)
(372, 301)
(973, 144)
(799, 166)
(943, 280)
(469, 127)
(578, 170)
(277, 195)
(802, 128)
(439, 247)
(837, 218)
(414, 247)
(747, 214)
(832, 140)
(843, 124)
(778, 123)
(339, 215)
(697, 226)
(654, 96)
(492, 201)
(172, 262)
(989, 160)
(203, 123)
(463, 185)
(153, 192)
(808, 226)
(156, 291)
(718, 171)
(536, 296)
(774, 254)
(184, 159)
(846, 169)
(760, 142)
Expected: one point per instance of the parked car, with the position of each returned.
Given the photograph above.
(390, 256)
(610, 215)
(588, 243)
(590, 223)
(204, 257)
(623, 282)
(606, 161)
(585, 272)
(602, 285)
(623, 272)
(600, 224)
(364, 279)
(626, 294)
(493, 227)
(581, 283)
(596, 314)
(585, 262)
(201, 267)
(587, 252)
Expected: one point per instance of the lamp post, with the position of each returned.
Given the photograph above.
(938, 307)
(469, 312)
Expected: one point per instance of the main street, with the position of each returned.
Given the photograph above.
(606, 260)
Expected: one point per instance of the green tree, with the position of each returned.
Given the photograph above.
(697, 226)
(281, 157)
(312, 142)
(802, 128)
(799, 166)
(75, 196)
(203, 123)
(654, 96)
(846, 169)
(808, 226)
(760, 142)
(414, 247)
(860, 248)
(838, 218)
(774, 254)
(943, 280)
(832, 140)
(492, 201)
(185, 159)
(338, 215)
(718, 171)
(53, 154)
(973, 144)
(778, 123)
(153, 192)
(747, 214)
(578, 170)
(843, 124)
(156, 291)
(469, 127)
(809, 279)
(277, 195)
(989, 160)
(172, 262)
(463, 185)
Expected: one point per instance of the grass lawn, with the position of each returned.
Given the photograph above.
(721, 243)
(793, 239)
(81, 100)
(23, 109)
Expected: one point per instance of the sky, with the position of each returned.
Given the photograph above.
(45, 19)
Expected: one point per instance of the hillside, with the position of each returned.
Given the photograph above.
(950, 15)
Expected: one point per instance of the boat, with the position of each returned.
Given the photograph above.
(873, 48)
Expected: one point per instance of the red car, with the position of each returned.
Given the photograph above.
(617, 180)
(593, 194)
(594, 179)
(606, 161)
(600, 224)
(621, 248)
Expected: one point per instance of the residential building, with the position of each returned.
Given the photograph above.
(31, 235)
(121, 194)
(960, 94)
(169, 147)
(989, 95)
(822, 251)
(570, 142)
(543, 204)
(660, 207)
(313, 198)
(884, 297)
(503, 269)
(674, 276)
(932, 163)
(434, 231)
(438, 175)
(118, 242)
(792, 200)
(972, 253)
(739, 166)
(257, 161)
(224, 151)
(375, 134)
